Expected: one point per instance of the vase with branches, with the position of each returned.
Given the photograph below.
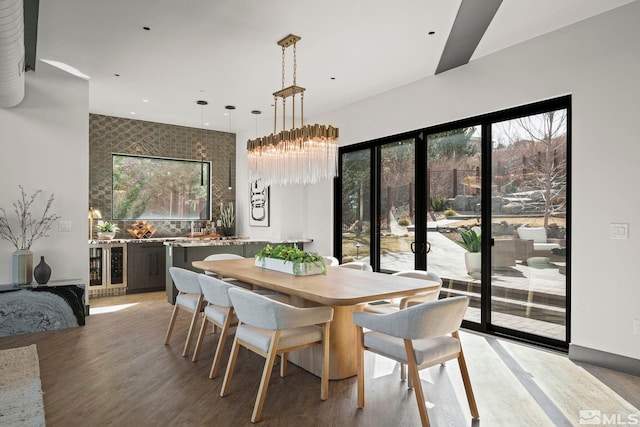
(28, 230)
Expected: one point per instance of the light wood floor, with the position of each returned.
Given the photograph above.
(116, 371)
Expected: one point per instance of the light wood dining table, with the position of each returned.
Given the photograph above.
(345, 290)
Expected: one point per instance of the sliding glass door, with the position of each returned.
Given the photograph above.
(453, 166)
(483, 203)
(529, 224)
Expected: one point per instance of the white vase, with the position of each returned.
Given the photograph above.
(106, 235)
(473, 262)
(22, 273)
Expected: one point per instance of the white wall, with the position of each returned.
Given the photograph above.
(44, 143)
(596, 61)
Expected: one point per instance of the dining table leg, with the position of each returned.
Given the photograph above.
(342, 347)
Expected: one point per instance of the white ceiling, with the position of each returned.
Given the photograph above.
(226, 52)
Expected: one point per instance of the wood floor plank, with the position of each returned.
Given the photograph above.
(116, 371)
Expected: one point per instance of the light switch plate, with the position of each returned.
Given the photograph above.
(618, 231)
(64, 226)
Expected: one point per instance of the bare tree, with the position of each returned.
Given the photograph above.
(541, 141)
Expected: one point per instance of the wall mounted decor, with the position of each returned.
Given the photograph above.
(259, 204)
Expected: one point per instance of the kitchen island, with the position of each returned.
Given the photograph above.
(182, 252)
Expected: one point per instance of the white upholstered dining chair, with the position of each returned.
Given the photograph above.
(395, 304)
(222, 257)
(331, 261)
(420, 337)
(268, 328)
(219, 311)
(357, 265)
(189, 299)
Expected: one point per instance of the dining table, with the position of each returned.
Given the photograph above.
(345, 290)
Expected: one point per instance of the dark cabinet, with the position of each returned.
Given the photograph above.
(146, 267)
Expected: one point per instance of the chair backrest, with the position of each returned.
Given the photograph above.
(215, 291)
(220, 257)
(331, 261)
(185, 280)
(427, 320)
(357, 265)
(419, 274)
(265, 313)
(537, 234)
(428, 295)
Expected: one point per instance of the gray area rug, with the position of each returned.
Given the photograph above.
(21, 402)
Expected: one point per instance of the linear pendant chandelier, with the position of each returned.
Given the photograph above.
(302, 155)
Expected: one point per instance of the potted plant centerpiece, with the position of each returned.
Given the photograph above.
(107, 230)
(289, 259)
(471, 241)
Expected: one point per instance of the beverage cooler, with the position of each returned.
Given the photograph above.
(107, 268)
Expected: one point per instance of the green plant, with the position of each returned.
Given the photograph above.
(107, 227)
(450, 212)
(470, 240)
(227, 218)
(404, 221)
(437, 204)
(294, 255)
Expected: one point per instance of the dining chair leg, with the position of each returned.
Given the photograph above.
(221, 342)
(266, 376)
(172, 323)
(192, 327)
(467, 381)
(324, 386)
(200, 339)
(283, 364)
(230, 366)
(417, 385)
(360, 366)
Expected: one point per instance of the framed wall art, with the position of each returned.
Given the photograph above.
(258, 204)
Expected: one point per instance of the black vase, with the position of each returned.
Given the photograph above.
(42, 272)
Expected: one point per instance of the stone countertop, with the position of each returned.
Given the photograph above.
(192, 242)
(186, 243)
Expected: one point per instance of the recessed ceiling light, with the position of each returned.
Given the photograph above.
(256, 112)
(201, 102)
(226, 114)
(206, 124)
(333, 78)
(146, 28)
(230, 107)
(431, 33)
(145, 100)
(133, 113)
(117, 75)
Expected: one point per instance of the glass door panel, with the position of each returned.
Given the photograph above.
(453, 204)
(397, 206)
(356, 201)
(528, 224)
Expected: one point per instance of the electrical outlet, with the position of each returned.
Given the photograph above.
(64, 226)
(636, 326)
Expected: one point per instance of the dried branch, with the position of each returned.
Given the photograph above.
(30, 229)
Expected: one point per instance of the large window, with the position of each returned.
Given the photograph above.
(160, 188)
(408, 199)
